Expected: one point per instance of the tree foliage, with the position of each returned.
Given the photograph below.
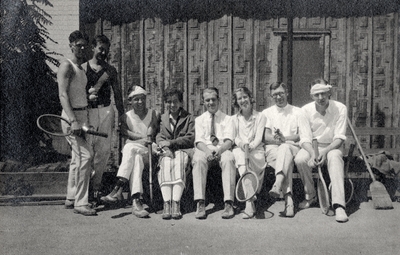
(28, 83)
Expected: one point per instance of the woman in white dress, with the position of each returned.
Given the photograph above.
(248, 126)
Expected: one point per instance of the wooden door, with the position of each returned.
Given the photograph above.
(308, 64)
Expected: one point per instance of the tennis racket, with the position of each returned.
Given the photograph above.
(149, 146)
(247, 185)
(322, 190)
(52, 125)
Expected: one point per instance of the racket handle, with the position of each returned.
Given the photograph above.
(315, 147)
(93, 132)
(246, 151)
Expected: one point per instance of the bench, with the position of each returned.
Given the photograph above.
(373, 140)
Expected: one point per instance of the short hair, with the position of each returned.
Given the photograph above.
(100, 39)
(276, 85)
(77, 35)
(170, 91)
(210, 89)
(245, 90)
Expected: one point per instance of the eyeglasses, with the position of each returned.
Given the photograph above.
(80, 46)
(280, 94)
(211, 100)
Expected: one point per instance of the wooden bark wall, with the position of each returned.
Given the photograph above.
(361, 61)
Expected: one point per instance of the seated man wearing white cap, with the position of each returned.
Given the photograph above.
(327, 120)
(134, 126)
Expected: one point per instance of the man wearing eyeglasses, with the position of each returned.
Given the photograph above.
(102, 79)
(72, 81)
(283, 130)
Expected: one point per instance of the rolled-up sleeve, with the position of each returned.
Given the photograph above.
(199, 131)
(305, 132)
(229, 131)
(341, 124)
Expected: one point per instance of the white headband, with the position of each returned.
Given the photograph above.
(320, 88)
(137, 90)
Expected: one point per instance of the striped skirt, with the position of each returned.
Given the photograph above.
(172, 170)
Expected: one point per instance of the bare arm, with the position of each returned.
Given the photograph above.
(126, 132)
(64, 77)
(269, 138)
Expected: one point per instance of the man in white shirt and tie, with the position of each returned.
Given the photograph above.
(283, 130)
(213, 145)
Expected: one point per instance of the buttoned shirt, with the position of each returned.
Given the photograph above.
(203, 128)
(328, 127)
(248, 131)
(290, 120)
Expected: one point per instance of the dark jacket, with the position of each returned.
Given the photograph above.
(183, 136)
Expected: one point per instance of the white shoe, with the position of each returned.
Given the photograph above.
(341, 215)
(249, 211)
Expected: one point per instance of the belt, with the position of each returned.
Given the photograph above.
(98, 106)
(80, 109)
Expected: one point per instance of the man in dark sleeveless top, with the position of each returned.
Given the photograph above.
(102, 77)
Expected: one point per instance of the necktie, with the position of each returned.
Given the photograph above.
(213, 137)
(213, 124)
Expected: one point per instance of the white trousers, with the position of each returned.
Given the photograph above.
(336, 173)
(134, 158)
(200, 170)
(102, 119)
(281, 158)
(79, 168)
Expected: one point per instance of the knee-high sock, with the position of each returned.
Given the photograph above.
(177, 190)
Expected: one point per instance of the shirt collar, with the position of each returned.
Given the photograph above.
(282, 109)
(327, 110)
(217, 114)
(179, 114)
(253, 114)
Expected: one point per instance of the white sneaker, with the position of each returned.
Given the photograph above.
(341, 215)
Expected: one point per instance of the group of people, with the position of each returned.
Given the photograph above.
(281, 136)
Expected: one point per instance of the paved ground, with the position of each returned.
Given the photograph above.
(51, 229)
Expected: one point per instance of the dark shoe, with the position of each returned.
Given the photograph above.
(176, 210)
(308, 203)
(113, 197)
(138, 210)
(228, 212)
(275, 192)
(69, 204)
(201, 210)
(85, 210)
(166, 215)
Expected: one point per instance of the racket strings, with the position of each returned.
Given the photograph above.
(52, 125)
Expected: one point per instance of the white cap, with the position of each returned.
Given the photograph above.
(137, 90)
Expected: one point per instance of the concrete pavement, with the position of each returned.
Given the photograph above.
(51, 229)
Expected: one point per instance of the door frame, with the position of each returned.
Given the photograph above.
(324, 37)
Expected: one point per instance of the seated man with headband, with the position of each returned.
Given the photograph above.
(327, 121)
